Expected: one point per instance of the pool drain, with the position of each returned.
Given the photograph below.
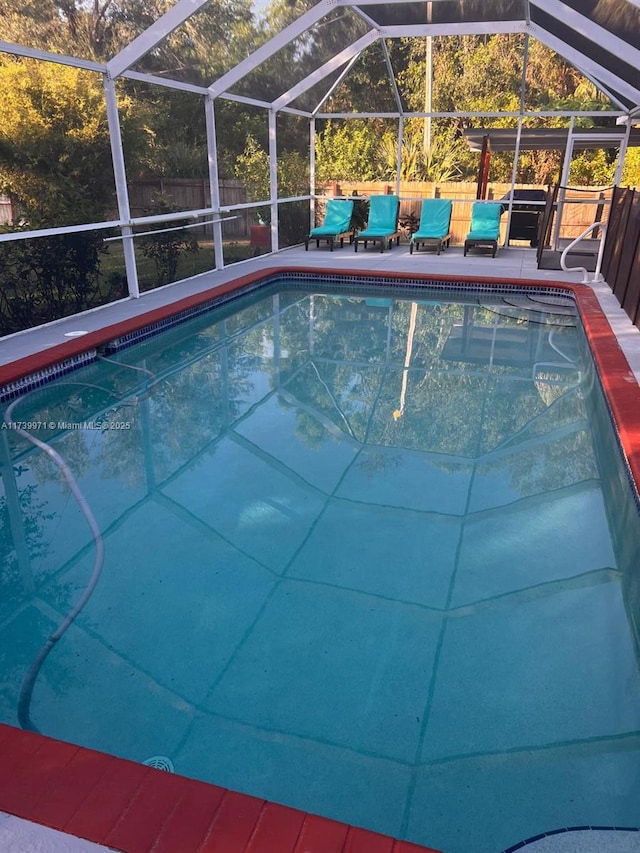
(160, 762)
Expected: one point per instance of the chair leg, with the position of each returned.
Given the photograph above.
(331, 244)
(306, 244)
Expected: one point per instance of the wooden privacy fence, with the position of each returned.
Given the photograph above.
(7, 213)
(189, 194)
(193, 194)
(621, 256)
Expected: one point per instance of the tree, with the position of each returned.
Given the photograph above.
(631, 172)
(438, 164)
(55, 156)
(166, 247)
(98, 29)
(55, 163)
(205, 46)
(346, 150)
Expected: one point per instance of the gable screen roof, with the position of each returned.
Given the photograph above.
(600, 38)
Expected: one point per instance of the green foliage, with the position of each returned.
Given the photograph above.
(206, 45)
(592, 168)
(484, 74)
(252, 168)
(98, 29)
(477, 73)
(293, 222)
(166, 248)
(437, 163)
(50, 277)
(346, 151)
(55, 156)
(293, 174)
(470, 73)
(631, 171)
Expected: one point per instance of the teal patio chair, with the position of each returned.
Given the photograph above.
(336, 225)
(382, 224)
(435, 224)
(485, 227)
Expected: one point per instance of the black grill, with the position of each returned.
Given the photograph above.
(525, 217)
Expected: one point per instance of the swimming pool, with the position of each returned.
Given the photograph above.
(295, 599)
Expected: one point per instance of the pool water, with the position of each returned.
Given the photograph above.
(363, 556)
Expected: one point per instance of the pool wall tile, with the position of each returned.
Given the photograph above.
(363, 841)
(318, 833)
(61, 801)
(188, 824)
(105, 802)
(148, 811)
(277, 828)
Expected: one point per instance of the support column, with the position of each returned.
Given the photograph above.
(514, 177)
(273, 179)
(312, 171)
(564, 182)
(622, 153)
(122, 191)
(399, 154)
(214, 183)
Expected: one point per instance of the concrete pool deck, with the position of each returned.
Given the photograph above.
(584, 840)
(21, 836)
(158, 816)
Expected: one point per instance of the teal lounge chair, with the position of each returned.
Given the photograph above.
(336, 225)
(435, 222)
(382, 225)
(485, 227)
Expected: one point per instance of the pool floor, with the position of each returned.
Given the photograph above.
(330, 609)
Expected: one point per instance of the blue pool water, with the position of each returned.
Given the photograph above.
(366, 554)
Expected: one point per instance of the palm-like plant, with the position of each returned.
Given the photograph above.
(439, 163)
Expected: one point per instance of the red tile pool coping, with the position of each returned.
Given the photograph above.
(138, 809)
